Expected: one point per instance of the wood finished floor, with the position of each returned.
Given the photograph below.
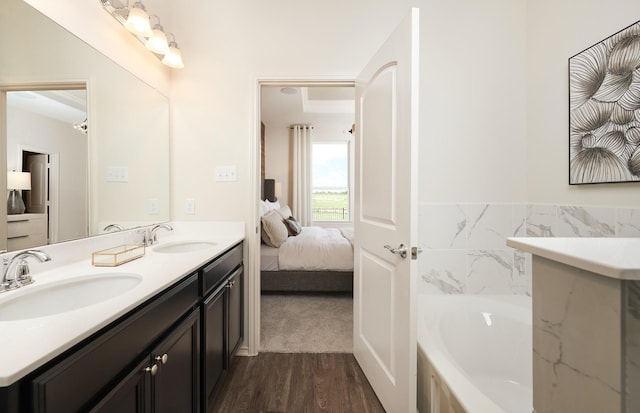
(297, 383)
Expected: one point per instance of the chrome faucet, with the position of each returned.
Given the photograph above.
(21, 275)
(152, 238)
(116, 227)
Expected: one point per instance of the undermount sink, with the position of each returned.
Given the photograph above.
(183, 246)
(35, 301)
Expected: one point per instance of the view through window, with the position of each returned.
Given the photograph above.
(330, 181)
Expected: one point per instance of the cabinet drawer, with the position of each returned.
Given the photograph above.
(23, 228)
(28, 241)
(76, 382)
(216, 271)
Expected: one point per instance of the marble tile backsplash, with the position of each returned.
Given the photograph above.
(465, 249)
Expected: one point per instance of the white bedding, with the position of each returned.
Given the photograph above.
(316, 249)
(268, 258)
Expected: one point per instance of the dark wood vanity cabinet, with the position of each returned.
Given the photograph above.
(170, 354)
(235, 317)
(168, 378)
(222, 320)
(80, 378)
(213, 349)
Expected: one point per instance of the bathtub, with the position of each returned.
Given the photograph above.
(474, 354)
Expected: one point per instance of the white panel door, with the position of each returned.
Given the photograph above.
(386, 215)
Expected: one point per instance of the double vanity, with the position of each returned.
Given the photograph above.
(154, 334)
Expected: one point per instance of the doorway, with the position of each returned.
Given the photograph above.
(273, 158)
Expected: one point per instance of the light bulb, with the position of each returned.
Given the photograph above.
(157, 43)
(138, 21)
(173, 57)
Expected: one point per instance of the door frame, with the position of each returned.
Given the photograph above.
(53, 212)
(252, 291)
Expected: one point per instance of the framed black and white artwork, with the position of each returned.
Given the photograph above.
(604, 110)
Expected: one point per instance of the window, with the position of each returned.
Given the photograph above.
(330, 181)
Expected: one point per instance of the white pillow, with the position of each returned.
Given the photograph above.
(284, 211)
(273, 205)
(266, 206)
(274, 231)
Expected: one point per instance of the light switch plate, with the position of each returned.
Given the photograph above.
(226, 173)
(153, 206)
(117, 174)
(190, 206)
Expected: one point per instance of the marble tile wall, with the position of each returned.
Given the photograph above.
(464, 245)
(632, 346)
(577, 340)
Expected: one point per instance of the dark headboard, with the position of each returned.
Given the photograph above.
(269, 190)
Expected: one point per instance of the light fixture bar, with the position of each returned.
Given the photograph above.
(155, 40)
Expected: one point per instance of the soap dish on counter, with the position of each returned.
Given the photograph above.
(115, 256)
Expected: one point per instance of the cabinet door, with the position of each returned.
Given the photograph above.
(213, 354)
(235, 319)
(175, 386)
(131, 395)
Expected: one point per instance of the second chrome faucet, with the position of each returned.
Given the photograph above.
(151, 236)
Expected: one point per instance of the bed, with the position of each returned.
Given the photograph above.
(313, 259)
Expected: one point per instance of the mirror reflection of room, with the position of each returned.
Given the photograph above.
(123, 156)
(48, 199)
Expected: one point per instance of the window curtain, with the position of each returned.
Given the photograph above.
(301, 205)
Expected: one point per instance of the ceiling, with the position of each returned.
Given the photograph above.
(69, 106)
(310, 104)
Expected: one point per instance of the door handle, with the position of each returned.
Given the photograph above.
(401, 250)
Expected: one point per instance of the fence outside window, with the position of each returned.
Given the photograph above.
(330, 214)
(330, 204)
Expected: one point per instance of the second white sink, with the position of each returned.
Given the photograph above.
(35, 301)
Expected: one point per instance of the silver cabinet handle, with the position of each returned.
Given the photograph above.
(163, 358)
(153, 369)
(401, 250)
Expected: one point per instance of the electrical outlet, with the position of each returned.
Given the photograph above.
(153, 206)
(191, 206)
(226, 173)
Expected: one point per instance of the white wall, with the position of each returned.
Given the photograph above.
(555, 32)
(473, 101)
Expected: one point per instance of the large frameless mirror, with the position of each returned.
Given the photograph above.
(93, 138)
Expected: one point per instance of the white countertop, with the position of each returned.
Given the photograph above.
(611, 257)
(28, 344)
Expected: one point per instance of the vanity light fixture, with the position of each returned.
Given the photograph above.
(138, 20)
(157, 42)
(173, 57)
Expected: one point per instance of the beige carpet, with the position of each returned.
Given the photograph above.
(305, 323)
